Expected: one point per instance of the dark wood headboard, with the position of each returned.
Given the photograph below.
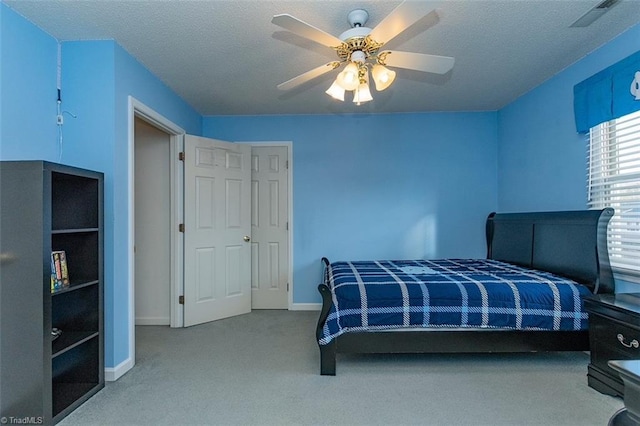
(572, 244)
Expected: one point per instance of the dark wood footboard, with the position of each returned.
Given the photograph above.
(328, 359)
(327, 352)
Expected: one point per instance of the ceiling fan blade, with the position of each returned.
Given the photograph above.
(303, 29)
(418, 61)
(401, 18)
(308, 76)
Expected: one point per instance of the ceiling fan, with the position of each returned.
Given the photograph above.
(361, 48)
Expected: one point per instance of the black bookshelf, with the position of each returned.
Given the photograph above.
(47, 207)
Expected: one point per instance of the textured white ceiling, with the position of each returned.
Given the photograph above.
(226, 57)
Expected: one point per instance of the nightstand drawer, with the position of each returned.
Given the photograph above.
(614, 334)
(612, 340)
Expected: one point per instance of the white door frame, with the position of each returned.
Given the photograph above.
(289, 146)
(176, 138)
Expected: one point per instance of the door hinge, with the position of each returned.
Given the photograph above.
(181, 227)
(286, 226)
(287, 286)
(286, 164)
(181, 156)
(181, 300)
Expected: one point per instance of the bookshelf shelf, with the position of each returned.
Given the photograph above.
(45, 208)
(70, 340)
(73, 231)
(74, 286)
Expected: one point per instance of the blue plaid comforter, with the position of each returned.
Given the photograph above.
(478, 293)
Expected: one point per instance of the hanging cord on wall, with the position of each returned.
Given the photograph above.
(59, 101)
(59, 112)
(60, 122)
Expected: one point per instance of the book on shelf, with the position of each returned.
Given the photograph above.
(59, 270)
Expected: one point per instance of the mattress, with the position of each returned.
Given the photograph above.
(449, 293)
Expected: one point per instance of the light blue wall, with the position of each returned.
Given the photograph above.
(28, 90)
(87, 93)
(380, 186)
(2, 11)
(133, 79)
(97, 79)
(541, 158)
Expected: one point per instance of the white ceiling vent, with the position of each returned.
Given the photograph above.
(594, 13)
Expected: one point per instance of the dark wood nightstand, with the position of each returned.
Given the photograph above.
(630, 373)
(614, 334)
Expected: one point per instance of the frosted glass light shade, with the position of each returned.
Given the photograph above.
(348, 79)
(362, 94)
(382, 76)
(336, 91)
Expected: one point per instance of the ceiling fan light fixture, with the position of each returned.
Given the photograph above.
(382, 76)
(348, 79)
(336, 91)
(362, 94)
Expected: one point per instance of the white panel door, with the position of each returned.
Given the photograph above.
(269, 227)
(217, 211)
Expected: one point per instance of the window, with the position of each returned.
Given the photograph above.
(614, 181)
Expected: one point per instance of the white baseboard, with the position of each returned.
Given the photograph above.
(306, 307)
(153, 321)
(111, 374)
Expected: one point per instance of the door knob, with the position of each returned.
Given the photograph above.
(247, 238)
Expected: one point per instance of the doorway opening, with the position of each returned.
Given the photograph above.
(152, 247)
(168, 142)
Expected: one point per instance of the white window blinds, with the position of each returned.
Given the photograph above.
(614, 181)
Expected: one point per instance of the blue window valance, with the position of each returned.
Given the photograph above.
(609, 94)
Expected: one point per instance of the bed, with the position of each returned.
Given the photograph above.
(526, 296)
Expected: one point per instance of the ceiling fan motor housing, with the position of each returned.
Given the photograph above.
(355, 32)
(357, 43)
(357, 46)
(357, 18)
